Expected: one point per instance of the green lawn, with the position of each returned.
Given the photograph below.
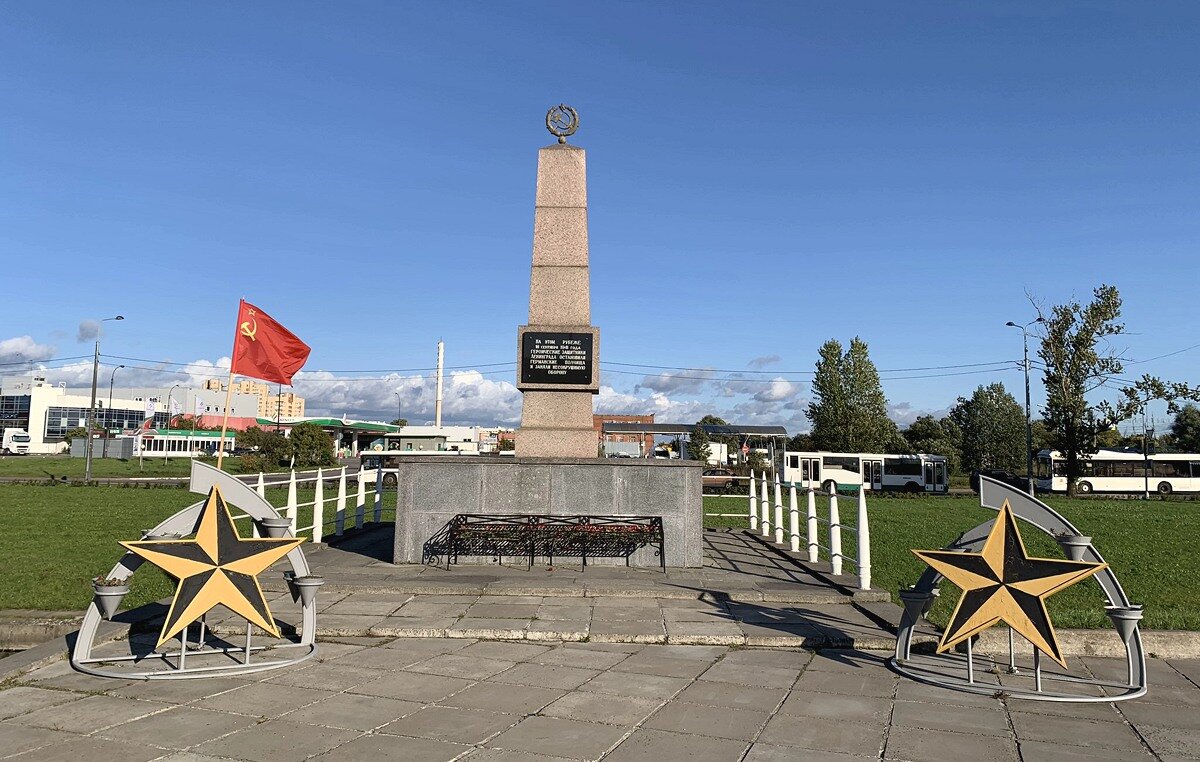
(55, 539)
(57, 466)
(1150, 545)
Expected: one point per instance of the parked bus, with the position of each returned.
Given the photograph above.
(1120, 471)
(389, 461)
(907, 473)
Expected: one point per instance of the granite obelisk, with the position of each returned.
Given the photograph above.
(558, 352)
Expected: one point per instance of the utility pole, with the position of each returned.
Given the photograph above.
(166, 442)
(108, 412)
(1028, 411)
(1146, 434)
(437, 405)
(91, 422)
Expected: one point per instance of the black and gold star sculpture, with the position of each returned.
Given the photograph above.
(217, 568)
(1004, 584)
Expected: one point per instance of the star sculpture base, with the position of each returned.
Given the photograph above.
(218, 622)
(1002, 583)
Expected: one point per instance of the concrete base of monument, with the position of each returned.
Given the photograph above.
(434, 489)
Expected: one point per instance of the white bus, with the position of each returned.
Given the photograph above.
(907, 473)
(389, 461)
(1120, 471)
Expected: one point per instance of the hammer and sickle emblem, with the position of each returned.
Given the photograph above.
(249, 330)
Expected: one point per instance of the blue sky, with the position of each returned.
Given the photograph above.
(761, 178)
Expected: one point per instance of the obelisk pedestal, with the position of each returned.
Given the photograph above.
(558, 352)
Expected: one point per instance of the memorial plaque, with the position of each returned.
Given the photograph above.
(556, 358)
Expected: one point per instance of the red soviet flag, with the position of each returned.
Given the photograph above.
(262, 348)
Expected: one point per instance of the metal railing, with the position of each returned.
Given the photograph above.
(767, 516)
(327, 512)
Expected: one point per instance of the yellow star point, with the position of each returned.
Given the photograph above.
(217, 568)
(1003, 583)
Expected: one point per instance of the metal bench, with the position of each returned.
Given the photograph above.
(529, 536)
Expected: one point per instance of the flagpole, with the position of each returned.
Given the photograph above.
(225, 420)
(229, 389)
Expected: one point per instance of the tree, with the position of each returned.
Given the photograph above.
(311, 446)
(399, 421)
(801, 443)
(849, 409)
(698, 444)
(504, 445)
(271, 446)
(992, 426)
(79, 432)
(756, 461)
(191, 423)
(1185, 429)
(1079, 360)
(935, 436)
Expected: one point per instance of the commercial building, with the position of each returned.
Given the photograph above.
(464, 439)
(48, 411)
(624, 444)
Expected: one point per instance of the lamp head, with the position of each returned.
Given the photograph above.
(1012, 324)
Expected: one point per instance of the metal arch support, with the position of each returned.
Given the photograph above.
(183, 523)
(992, 495)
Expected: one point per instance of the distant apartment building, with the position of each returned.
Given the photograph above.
(270, 406)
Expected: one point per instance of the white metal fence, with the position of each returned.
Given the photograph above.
(328, 512)
(767, 516)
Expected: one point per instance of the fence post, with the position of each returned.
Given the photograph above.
(290, 509)
(864, 542)
(340, 517)
(753, 503)
(318, 507)
(814, 549)
(360, 501)
(379, 495)
(764, 521)
(793, 519)
(778, 512)
(261, 489)
(835, 532)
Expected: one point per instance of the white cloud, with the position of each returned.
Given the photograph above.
(903, 413)
(23, 349)
(88, 330)
(758, 363)
(468, 397)
(778, 390)
(665, 409)
(684, 381)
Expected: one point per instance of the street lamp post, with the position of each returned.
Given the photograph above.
(398, 404)
(108, 411)
(166, 442)
(1028, 415)
(91, 422)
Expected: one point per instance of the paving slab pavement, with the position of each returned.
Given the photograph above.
(423, 699)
